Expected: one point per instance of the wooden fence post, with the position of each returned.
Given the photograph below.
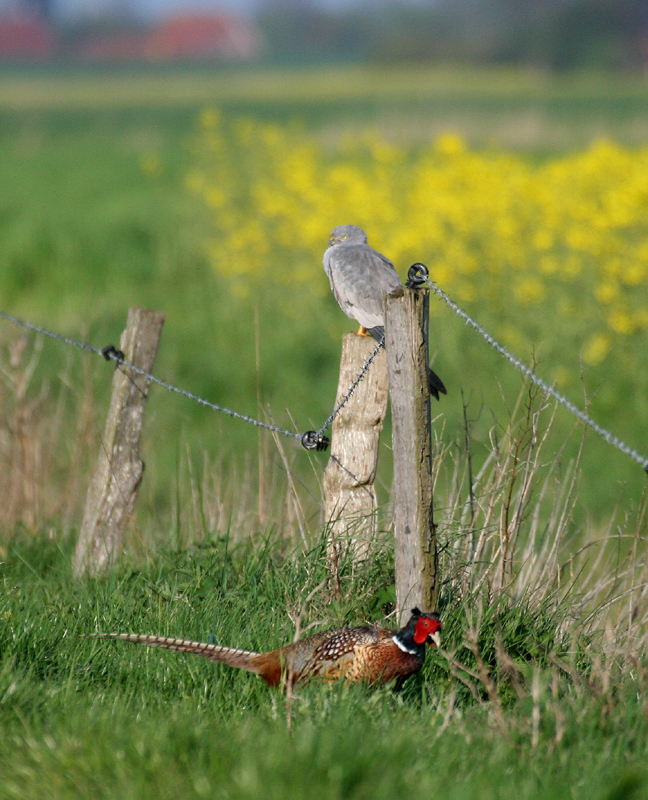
(406, 340)
(118, 473)
(348, 486)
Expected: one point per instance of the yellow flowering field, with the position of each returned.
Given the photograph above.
(552, 254)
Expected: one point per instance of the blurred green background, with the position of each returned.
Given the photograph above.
(95, 217)
(96, 214)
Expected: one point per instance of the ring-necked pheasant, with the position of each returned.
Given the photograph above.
(364, 653)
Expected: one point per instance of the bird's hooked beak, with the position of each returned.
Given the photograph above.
(436, 638)
(331, 241)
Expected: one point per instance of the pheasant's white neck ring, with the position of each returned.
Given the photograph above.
(403, 647)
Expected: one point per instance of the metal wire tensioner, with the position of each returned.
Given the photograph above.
(310, 440)
(352, 389)
(418, 276)
(111, 353)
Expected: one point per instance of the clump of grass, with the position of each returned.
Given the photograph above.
(47, 430)
(542, 661)
(511, 705)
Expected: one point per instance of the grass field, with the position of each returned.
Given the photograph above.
(565, 717)
(95, 215)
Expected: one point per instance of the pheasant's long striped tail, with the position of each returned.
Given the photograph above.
(243, 659)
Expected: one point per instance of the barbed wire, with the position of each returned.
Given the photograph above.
(609, 437)
(310, 440)
(315, 440)
(111, 354)
(353, 387)
(30, 326)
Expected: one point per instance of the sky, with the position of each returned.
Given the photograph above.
(149, 9)
(69, 10)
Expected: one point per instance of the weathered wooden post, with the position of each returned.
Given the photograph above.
(406, 341)
(348, 483)
(117, 476)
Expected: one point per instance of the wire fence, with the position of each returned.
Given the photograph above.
(316, 440)
(110, 353)
(610, 438)
(310, 440)
(352, 388)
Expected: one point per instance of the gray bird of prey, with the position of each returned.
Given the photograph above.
(360, 277)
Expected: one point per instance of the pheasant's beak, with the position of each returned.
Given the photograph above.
(436, 638)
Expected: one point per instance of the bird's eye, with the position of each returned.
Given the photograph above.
(344, 236)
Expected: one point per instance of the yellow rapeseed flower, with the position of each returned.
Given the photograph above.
(621, 322)
(450, 144)
(553, 253)
(596, 349)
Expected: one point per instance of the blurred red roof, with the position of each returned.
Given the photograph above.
(197, 36)
(186, 37)
(26, 38)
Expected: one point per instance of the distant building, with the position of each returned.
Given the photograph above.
(186, 37)
(125, 45)
(26, 37)
(191, 37)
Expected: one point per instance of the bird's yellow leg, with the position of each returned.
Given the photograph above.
(362, 332)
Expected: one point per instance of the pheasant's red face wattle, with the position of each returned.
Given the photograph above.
(427, 628)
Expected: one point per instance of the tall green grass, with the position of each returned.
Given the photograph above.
(540, 688)
(516, 704)
(94, 218)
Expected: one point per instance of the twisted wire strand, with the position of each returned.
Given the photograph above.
(610, 438)
(352, 388)
(113, 355)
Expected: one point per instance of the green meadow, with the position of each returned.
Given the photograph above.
(541, 687)
(82, 717)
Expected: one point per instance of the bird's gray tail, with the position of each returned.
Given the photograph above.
(435, 383)
(243, 659)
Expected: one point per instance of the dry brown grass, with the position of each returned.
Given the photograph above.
(510, 531)
(506, 528)
(46, 434)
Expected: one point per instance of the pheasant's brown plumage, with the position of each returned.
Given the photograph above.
(364, 653)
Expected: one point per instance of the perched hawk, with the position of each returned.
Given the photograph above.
(360, 277)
